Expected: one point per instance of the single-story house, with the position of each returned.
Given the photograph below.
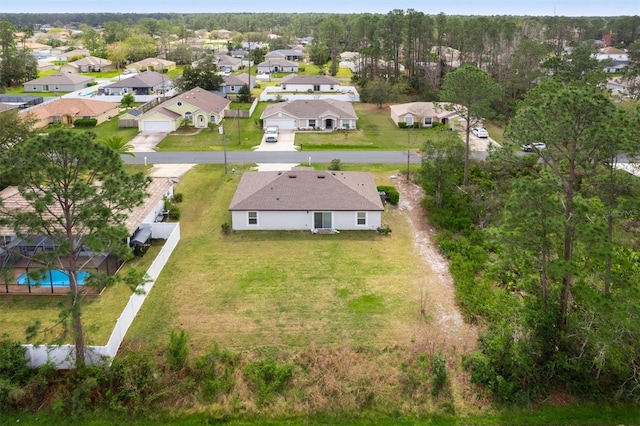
(318, 114)
(306, 199)
(288, 54)
(196, 105)
(425, 113)
(305, 40)
(88, 64)
(239, 53)
(62, 82)
(68, 110)
(152, 64)
(129, 118)
(45, 65)
(65, 56)
(233, 83)
(145, 83)
(227, 64)
(277, 65)
(309, 83)
(21, 101)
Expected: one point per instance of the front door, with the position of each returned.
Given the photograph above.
(328, 123)
(322, 220)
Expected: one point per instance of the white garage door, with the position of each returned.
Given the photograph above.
(281, 124)
(156, 126)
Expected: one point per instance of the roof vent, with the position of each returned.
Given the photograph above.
(333, 173)
(292, 176)
(320, 176)
(279, 173)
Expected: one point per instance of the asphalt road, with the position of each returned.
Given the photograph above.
(301, 157)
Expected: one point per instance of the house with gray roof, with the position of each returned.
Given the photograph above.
(306, 199)
(312, 114)
(310, 83)
(145, 83)
(62, 82)
(197, 105)
(288, 54)
(426, 114)
(233, 83)
(277, 65)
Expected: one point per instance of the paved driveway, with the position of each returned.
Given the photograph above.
(285, 142)
(147, 141)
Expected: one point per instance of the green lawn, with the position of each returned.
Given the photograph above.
(282, 289)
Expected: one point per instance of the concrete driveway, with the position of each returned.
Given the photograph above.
(147, 141)
(285, 142)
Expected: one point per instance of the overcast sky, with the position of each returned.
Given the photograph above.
(452, 7)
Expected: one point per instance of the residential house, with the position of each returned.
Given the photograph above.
(310, 83)
(616, 59)
(228, 64)
(288, 54)
(62, 82)
(68, 110)
(425, 113)
(44, 66)
(129, 118)
(305, 40)
(277, 65)
(152, 64)
(222, 34)
(625, 87)
(317, 114)
(233, 83)
(239, 53)
(197, 105)
(306, 199)
(145, 83)
(88, 64)
(65, 56)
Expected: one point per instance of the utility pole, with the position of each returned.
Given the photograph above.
(224, 144)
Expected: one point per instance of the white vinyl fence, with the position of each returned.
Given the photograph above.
(63, 356)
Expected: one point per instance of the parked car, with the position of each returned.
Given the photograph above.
(536, 146)
(480, 132)
(271, 134)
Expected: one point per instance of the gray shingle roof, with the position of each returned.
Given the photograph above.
(311, 108)
(62, 78)
(309, 79)
(298, 190)
(145, 79)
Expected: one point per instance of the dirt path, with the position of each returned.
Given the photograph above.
(444, 330)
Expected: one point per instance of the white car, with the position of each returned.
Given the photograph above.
(480, 132)
(536, 146)
(271, 134)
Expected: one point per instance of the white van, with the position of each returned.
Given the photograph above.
(271, 134)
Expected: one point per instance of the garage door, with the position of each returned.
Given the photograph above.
(156, 126)
(281, 124)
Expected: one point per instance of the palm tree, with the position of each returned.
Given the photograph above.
(119, 145)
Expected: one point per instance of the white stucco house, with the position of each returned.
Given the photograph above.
(317, 114)
(197, 105)
(306, 199)
(310, 83)
(616, 59)
(62, 82)
(277, 65)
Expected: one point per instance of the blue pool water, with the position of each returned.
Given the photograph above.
(54, 277)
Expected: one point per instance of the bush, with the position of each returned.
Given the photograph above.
(402, 125)
(13, 364)
(178, 350)
(438, 373)
(335, 164)
(177, 197)
(85, 122)
(268, 376)
(226, 228)
(392, 194)
(174, 213)
(384, 229)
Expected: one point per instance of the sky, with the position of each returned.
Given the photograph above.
(448, 7)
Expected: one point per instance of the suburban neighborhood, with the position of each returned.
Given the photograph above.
(319, 218)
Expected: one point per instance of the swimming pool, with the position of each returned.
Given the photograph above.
(55, 278)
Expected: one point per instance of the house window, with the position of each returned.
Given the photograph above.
(252, 218)
(312, 124)
(346, 124)
(233, 88)
(4, 240)
(428, 121)
(322, 220)
(361, 218)
(331, 87)
(316, 87)
(409, 120)
(56, 119)
(213, 119)
(188, 116)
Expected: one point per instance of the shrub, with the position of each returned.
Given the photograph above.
(178, 350)
(13, 364)
(226, 228)
(438, 373)
(384, 230)
(392, 194)
(335, 164)
(132, 381)
(268, 376)
(402, 125)
(177, 197)
(174, 213)
(85, 122)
